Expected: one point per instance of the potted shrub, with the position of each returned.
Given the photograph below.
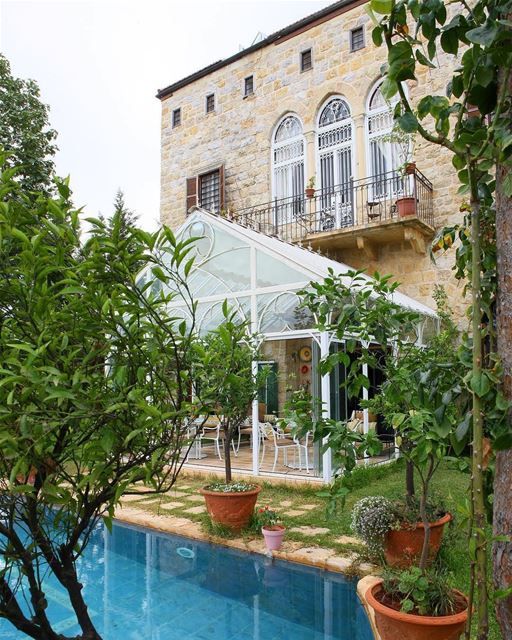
(417, 605)
(226, 387)
(273, 531)
(394, 529)
(231, 504)
(310, 188)
(404, 143)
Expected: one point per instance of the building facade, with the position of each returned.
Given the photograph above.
(246, 136)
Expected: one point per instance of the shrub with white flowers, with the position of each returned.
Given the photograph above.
(372, 518)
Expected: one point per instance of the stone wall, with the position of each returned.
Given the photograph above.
(238, 135)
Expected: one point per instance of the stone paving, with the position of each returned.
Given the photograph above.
(175, 512)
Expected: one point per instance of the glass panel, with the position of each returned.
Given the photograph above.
(209, 315)
(289, 128)
(209, 191)
(281, 312)
(271, 271)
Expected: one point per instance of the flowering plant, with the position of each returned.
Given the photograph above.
(230, 487)
(266, 517)
(372, 518)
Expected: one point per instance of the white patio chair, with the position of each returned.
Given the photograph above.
(213, 434)
(303, 445)
(283, 442)
(265, 432)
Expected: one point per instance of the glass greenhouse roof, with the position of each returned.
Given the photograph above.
(257, 274)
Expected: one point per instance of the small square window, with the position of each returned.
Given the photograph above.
(306, 60)
(357, 39)
(176, 118)
(249, 86)
(210, 103)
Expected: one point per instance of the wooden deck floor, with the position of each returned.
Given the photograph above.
(242, 462)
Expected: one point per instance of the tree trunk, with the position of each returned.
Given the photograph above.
(478, 427)
(502, 551)
(409, 479)
(227, 454)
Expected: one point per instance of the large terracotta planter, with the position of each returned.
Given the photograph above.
(406, 206)
(402, 547)
(273, 536)
(233, 510)
(395, 625)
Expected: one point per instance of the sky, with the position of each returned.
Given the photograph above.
(99, 64)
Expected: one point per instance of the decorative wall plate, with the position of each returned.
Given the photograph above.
(305, 354)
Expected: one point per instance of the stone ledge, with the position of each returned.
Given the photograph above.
(291, 550)
(362, 587)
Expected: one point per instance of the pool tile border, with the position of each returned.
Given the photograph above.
(291, 550)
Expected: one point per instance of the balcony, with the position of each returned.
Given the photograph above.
(358, 214)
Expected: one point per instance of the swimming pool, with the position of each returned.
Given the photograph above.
(143, 585)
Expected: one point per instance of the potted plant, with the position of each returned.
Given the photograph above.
(310, 188)
(231, 504)
(394, 529)
(226, 387)
(404, 144)
(417, 605)
(273, 531)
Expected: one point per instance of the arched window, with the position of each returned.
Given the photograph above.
(288, 167)
(334, 160)
(383, 155)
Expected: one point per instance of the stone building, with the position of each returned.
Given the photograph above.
(245, 135)
(293, 139)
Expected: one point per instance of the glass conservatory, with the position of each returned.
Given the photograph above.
(260, 277)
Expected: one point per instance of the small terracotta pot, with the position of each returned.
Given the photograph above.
(232, 510)
(406, 206)
(310, 192)
(273, 536)
(410, 168)
(402, 547)
(395, 625)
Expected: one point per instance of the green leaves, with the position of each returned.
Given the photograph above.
(384, 7)
(408, 122)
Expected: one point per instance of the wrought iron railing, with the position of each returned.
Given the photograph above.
(370, 201)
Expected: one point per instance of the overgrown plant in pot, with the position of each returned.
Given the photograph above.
(226, 387)
(271, 527)
(393, 529)
(417, 605)
(403, 143)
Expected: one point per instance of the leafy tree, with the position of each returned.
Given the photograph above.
(225, 379)
(25, 131)
(472, 121)
(94, 390)
(127, 218)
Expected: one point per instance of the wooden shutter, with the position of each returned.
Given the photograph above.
(221, 187)
(191, 192)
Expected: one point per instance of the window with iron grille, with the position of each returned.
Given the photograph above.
(357, 39)
(209, 191)
(306, 60)
(210, 103)
(176, 118)
(249, 86)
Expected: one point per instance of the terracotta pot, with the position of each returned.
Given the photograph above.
(410, 168)
(310, 192)
(395, 625)
(406, 206)
(402, 547)
(233, 510)
(273, 536)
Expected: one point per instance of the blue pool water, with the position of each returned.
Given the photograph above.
(142, 585)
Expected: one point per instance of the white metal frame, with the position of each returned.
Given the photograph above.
(309, 267)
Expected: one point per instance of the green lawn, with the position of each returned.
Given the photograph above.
(300, 506)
